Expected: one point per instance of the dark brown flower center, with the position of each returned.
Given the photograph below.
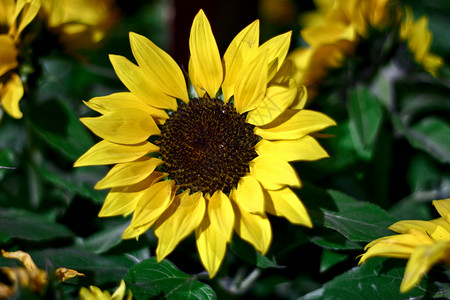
(207, 146)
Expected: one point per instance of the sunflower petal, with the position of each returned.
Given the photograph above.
(304, 148)
(8, 54)
(273, 172)
(29, 9)
(277, 48)
(443, 208)
(122, 200)
(434, 230)
(123, 100)
(250, 195)
(240, 48)
(105, 153)
(178, 221)
(152, 204)
(221, 214)
(135, 80)
(253, 228)
(211, 245)
(129, 173)
(285, 203)
(159, 67)
(251, 84)
(12, 92)
(294, 124)
(205, 58)
(125, 126)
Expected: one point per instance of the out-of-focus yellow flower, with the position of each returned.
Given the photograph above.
(419, 39)
(425, 243)
(30, 276)
(14, 17)
(94, 293)
(79, 23)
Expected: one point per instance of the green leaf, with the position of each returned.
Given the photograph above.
(22, 224)
(104, 240)
(7, 162)
(164, 280)
(378, 278)
(330, 259)
(335, 241)
(98, 269)
(365, 119)
(246, 252)
(358, 221)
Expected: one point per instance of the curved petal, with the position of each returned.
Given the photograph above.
(273, 172)
(123, 100)
(12, 93)
(305, 148)
(434, 230)
(205, 61)
(159, 67)
(221, 214)
(211, 246)
(250, 195)
(135, 80)
(285, 203)
(126, 126)
(123, 200)
(29, 9)
(253, 228)
(294, 124)
(105, 153)
(8, 54)
(277, 48)
(240, 48)
(152, 204)
(251, 84)
(443, 208)
(181, 218)
(129, 173)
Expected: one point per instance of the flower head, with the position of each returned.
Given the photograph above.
(219, 159)
(425, 243)
(94, 293)
(14, 17)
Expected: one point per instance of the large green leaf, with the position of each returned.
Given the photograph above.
(378, 278)
(330, 259)
(250, 255)
(22, 224)
(164, 280)
(98, 269)
(358, 221)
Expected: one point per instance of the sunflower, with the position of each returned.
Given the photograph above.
(419, 38)
(210, 162)
(94, 293)
(14, 17)
(425, 243)
(79, 28)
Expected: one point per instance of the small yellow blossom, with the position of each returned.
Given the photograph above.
(94, 293)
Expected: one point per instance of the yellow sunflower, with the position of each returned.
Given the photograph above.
(79, 23)
(94, 293)
(425, 243)
(419, 38)
(211, 162)
(14, 17)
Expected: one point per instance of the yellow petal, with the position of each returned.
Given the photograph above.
(105, 153)
(12, 92)
(253, 228)
(8, 54)
(126, 126)
(435, 231)
(135, 80)
(63, 274)
(285, 203)
(152, 204)
(129, 173)
(273, 172)
(211, 245)
(250, 195)
(221, 214)
(294, 124)
(178, 221)
(277, 48)
(276, 100)
(120, 292)
(123, 100)
(421, 261)
(240, 48)
(123, 200)
(205, 58)
(29, 10)
(443, 208)
(159, 67)
(305, 148)
(251, 84)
